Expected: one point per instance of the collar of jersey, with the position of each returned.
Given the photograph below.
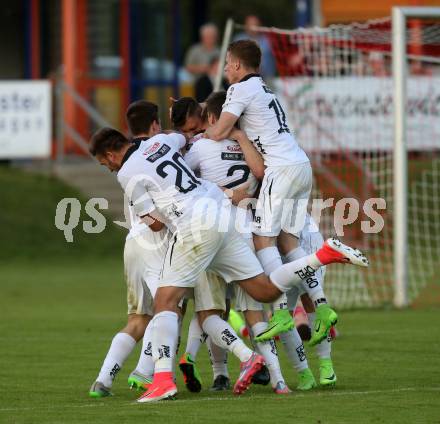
(131, 149)
(249, 76)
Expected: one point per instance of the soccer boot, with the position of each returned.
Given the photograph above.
(221, 382)
(247, 371)
(325, 318)
(261, 377)
(306, 380)
(281, 388)
(280, 322)
(334, 251)
(162, 388)
(138, 381)
(327, 376)
(191, 375)
(98, 390)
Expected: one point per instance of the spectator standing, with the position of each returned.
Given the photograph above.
(267, 67)
(200, 55)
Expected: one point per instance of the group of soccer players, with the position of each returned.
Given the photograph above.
(197, 232)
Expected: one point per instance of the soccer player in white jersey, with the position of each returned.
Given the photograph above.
(286, 184)
(164, 192)
(223, 164)
(143, 255)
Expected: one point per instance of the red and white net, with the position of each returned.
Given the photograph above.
(337, 89)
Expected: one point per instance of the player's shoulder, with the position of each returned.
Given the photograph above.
(247, 86)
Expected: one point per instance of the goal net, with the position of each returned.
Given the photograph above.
(336, 88)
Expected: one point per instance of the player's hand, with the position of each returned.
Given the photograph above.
(238, 195)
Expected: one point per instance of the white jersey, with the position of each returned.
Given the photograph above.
(155, 178)
(137, 227)
(221, 162)
(264, 121)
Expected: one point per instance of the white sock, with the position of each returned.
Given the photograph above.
(270, 354)
(323, 349)
(311, 285)
(291, 274)
(295, 349)
(145, 364)
(219, 359)
(165, 332)
(122, 345)
(223, 335)
(196, 337)
(270, 260)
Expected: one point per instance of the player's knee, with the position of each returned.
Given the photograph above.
(168, 298)
(286, 243)
(136, 326)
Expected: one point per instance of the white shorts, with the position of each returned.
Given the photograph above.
(192, 252)
(245, 302)
(210, 292)
(310, 241)
(142, 266)
(283, 199)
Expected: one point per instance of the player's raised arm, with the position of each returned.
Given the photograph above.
(251, 155)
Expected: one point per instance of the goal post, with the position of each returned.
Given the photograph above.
(363, 100)
(399, 18)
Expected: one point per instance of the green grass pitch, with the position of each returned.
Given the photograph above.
(58, 320)
(61, 304)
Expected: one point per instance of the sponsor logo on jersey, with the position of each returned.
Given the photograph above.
(232, 156)
(161, 152)
(235, 148)
(152, 148)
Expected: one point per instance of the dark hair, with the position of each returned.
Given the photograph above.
(182, 109)
(140, 115)
(107, 139)
(214, 103)
(247, 51)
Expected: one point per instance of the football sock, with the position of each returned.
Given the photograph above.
(269, 351)
(145, 364)
(311, 285)
(291, 274)
(122, 345)
(196, 337)
(165, 332)
(219, 359)
(294, 348)
(223, 335)
(270, 260)
(323, 349)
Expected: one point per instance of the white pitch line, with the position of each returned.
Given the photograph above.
(238, 398)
